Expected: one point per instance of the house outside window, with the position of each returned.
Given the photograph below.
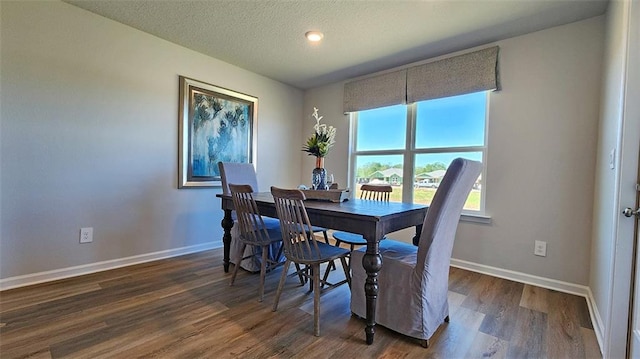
(411, 146)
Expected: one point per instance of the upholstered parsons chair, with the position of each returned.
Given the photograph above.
(413, 282)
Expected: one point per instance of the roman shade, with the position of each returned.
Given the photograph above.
(472, 72)
(378, 91)
(457, 75)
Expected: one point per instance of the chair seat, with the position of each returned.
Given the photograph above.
(271, 223)
(400, 253)
(350, 238)
(274, 235)
(253, 264)
(316, 229)
(327, 253)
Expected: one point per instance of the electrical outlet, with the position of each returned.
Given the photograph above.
(86, 235)
(540, 249)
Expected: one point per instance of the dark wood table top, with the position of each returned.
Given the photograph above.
(372, 219)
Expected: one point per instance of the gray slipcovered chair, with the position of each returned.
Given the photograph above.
(301, 248)
(413, 282)
(245, 173)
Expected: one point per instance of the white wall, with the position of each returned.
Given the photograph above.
(613, 238)
(89, 135)
(541, 153)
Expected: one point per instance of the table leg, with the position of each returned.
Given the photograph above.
(227, 224)
(372, 262)
(416, 238)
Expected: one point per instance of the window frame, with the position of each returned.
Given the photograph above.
(409, 154)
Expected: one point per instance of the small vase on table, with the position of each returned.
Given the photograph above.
(319, 175)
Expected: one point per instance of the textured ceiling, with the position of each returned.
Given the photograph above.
(360, 37)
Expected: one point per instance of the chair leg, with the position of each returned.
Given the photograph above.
(238, 261)
(325, 277)
(283, 277)
(424, 343)
(446, 320)
(346, 268)
(316, 300)
(332, 265)
(276, 262)
(263, 271)
(351, 248)
(303, 279)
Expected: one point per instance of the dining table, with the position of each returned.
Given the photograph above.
(372, 219)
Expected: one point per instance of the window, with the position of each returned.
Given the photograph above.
(418, 142)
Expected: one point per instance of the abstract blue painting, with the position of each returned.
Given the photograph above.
(219, 128)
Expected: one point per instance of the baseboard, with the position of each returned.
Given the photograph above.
(41, 277)
(596, 320)
(548, 283)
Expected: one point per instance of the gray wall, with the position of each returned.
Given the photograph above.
(613, 238)
(541, 153)
(89, 138)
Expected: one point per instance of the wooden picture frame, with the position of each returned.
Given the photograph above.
(215, 124)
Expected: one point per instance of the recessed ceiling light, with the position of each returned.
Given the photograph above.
(314, 36)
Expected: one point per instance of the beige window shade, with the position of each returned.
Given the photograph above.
(472, 72)
(378, 91)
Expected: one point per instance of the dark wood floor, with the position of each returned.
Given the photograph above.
(184, 308)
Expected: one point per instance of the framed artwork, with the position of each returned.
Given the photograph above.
(216, 124)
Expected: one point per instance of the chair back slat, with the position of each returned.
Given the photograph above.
(299, 243)
(375, 192)
(251, 224)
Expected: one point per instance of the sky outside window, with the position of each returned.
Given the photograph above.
(382, 129)
(447, 122)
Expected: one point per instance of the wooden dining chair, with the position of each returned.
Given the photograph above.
(245, 173)
(367, 192)
(253, 232)
(303, 249)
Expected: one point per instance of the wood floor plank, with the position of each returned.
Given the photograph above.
(183, 307)
(482, 294)
(502, 312)
(487, 346)
(452, 340)
(564, 335)
(591, 347)
(468, 318)
(535, 298)
(43, 293)
(455, 299)
(462, 281)
(529, 338)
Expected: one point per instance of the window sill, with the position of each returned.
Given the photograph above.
(475, 218)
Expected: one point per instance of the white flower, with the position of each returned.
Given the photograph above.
(321, 141)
